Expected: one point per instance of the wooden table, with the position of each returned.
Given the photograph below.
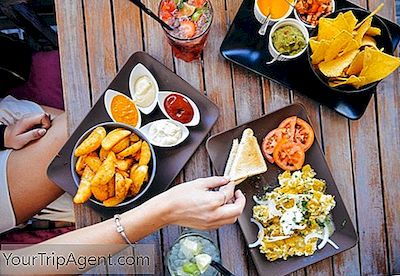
(96, 37)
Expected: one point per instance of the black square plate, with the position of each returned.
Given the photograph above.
(244, 46)
(170, 161)
(218, 147)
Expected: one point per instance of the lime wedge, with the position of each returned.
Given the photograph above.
(203, 261)
(191, 268)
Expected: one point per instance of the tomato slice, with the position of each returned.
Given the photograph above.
(270, 141)
(304, 134)
(188, 28)
(289, 124)
(288, 155)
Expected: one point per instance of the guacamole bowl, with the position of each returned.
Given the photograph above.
(288, 40)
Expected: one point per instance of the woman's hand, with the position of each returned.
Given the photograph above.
(26, 130)
(194, 204)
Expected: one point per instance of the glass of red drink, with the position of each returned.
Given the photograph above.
(191, 20)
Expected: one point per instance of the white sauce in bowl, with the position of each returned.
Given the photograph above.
(165, 133)
(145, 92)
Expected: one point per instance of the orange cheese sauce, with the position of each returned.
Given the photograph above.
(124, 110)
(277, 8)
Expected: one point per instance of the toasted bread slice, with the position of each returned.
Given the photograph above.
(231, 158)
(248, 160)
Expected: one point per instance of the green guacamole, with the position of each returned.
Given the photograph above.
(288, 40)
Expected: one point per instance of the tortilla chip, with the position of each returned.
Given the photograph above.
(368, 41)
(350, 19)
(334, 68)
(352, 80)
(337, 45)
(360, 32)
(351, 45)
(327, 29)
(373, 31)
(357, 65)
(377, 65)
(320, 50)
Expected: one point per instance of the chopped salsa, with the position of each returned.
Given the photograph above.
(189, 18)
(288, 40)
(311, 10)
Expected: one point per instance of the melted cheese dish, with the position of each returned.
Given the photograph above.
(294, 216)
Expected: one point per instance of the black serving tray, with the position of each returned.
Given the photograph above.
(244, 46)
(170, 161)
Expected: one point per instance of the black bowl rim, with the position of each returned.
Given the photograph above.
(114, 125)
(365, 88)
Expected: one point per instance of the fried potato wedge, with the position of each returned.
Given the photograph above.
(114, 137)
(121, 145)
(131, 150)
(134, 138)
(111, 187)
(133, 169)
(93, 161)
(145, 154)
(100, 192)
(139, 177)
(103, 154)
(113, 201)
(120, 191)
(124, 164)
(84, 193)
(92, 142)
(105, 172)
(80, 163)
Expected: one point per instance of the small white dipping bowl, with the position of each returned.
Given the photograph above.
(109, 95)
(287, 22)
(309, 26)
(137, 72)
(146, 131)
(261, 17)
(162, 95)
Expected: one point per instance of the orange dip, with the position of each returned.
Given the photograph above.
(277, 8)
(124, 111)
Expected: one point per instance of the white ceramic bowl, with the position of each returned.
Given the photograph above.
(109, 95)
(139, 71)
(146, 131)
(196, 116)
(309, 26)
(287, 22)
(261, 17)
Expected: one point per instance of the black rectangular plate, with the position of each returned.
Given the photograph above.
(244, 46)
(218, 147)
(170, 161)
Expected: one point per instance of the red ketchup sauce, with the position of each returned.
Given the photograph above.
(178, 108)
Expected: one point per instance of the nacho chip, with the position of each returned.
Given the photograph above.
(353, 80)
(378, 65)
(360, 32)
(368, 41)
(320, 50)
(337, 45)
(327, 29)
(357, 65)
(350, 19)
(373, 31)
(334, 68)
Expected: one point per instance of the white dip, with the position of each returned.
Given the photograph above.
(165, 133)
(145, 92)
